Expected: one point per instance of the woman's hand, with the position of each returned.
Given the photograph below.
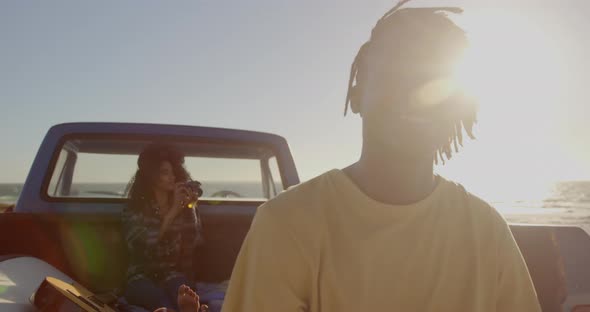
(182, 197)
(180, 200)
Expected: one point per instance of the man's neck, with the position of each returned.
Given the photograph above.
(391, 179)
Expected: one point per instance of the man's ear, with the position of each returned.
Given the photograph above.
(355, 99)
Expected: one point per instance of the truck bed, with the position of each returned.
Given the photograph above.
(90, 249)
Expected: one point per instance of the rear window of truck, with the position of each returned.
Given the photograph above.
(99, 168)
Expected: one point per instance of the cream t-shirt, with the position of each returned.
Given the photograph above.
(326, 246)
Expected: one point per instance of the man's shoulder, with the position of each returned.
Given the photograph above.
(297, 211)
(304, 197)
(474, 204)
(457, 191)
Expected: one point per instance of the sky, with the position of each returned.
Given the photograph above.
(282, 67)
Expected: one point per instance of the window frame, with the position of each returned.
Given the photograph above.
(44, 190)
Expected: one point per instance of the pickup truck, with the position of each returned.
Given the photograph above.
(68, 213)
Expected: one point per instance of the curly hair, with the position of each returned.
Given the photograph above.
(421, 33)
(140, 188)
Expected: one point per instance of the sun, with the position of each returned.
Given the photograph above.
(514, 68)
(512, 61)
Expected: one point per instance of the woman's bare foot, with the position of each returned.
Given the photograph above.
(188, 300)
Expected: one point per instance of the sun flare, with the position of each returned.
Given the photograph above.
(513, 67)
(511, 63)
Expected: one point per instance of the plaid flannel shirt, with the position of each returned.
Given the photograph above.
(160, 259)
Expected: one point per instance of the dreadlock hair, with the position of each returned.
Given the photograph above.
(412, 29)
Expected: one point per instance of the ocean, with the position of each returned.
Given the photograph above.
(9, 192)
(563, 203)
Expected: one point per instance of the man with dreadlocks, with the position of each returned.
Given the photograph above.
(386, 233)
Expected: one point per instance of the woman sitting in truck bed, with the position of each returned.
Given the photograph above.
(160, 229)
